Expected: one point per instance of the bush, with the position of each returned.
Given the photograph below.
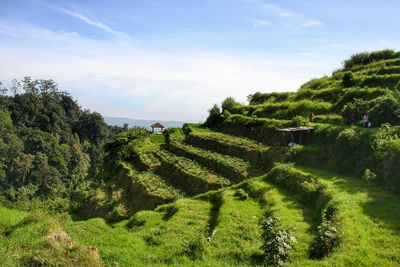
(385, 109)
(327, 239)
(369, 175)
(241, 194)
(173, 135)
(367, 58)
(385, 81)
(229, 104)
(299, 121)
(214, 117)
(277, 240)
(348, 80)
(387, 151)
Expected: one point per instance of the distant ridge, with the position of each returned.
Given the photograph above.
(119, 121)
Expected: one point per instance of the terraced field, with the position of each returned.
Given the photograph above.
(196, 196)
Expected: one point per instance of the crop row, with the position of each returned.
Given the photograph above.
(245, 149)
(230, 139)
(234, 168)
(148, 161)
(146, 189)
(188, 175)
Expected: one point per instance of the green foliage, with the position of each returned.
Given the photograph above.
(327, 239)
(229, 104)
(241, 194)
(180, 170)
(316, 84)
(384, 109)
(305, 186)
(287, 110)
(397, 87)
(359, 93)
(277, 241)
(244, 148)
(174, 135)
(124, 147)
(367, 58)
(384, 81)
(233, 168)
(214, 117)
(299, 121)
(369, 175)
(329, 118)
(348, 79)
(50, 148)
(260, 98)
(387, 150)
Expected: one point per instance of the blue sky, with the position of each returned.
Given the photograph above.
(172, 60)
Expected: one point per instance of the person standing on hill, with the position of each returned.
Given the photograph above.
(365, 121)
(311, 117)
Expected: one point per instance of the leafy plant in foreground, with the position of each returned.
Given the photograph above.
(277, 240)
(328, 236)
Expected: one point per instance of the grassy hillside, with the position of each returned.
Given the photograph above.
(232, 193)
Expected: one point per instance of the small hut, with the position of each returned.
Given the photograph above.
(296, 135)
(157, 125)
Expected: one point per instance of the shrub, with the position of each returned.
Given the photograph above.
(367, 58)
(214, 116)
(277, 240)
(369, 175)
(228, 104)
(259, 98)
(299, 121)
(173, 135)
(385, 81)
(241, 194)
(326, 240)
(387, 150)
(385, 109)
(348, 79)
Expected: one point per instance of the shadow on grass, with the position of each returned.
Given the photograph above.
(381, 203)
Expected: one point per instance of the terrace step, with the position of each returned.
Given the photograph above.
(243, 148)
(236, 169)
(188, 175)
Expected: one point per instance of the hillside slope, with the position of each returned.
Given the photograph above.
(232, 193)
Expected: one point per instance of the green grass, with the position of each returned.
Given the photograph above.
(229, 139)
(188, 175)
(151, 237)
(301, 218)
(234, 168)
(158, 139)
(39, 239)
(370, 221)
(236, 238)
(151, 183)
(10, 218)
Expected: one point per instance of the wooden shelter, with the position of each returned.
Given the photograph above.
(296, 135)
(157, 125)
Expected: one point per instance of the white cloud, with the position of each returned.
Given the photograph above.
(119, 78)
(85, 19)
(296, 19)
(313, 23)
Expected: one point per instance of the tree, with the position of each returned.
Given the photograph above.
(229, 104)
(214, 116)
(348, 80)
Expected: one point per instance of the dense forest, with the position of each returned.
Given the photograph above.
(51, 149)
